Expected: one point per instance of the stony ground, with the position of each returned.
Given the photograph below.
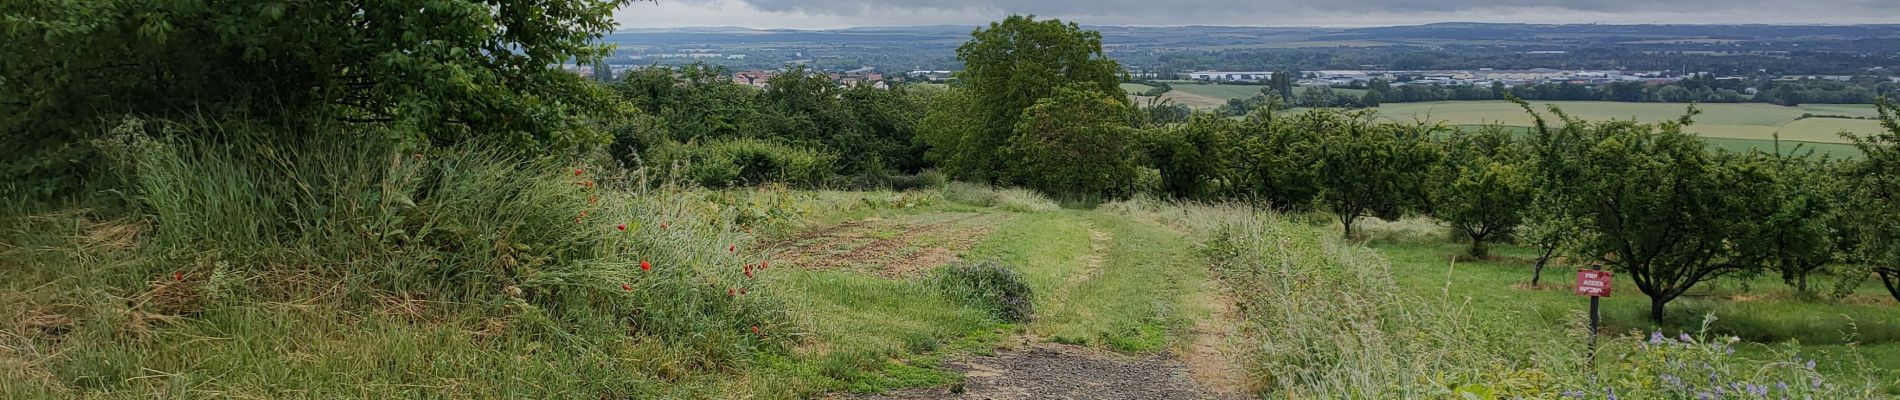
(1038, 370)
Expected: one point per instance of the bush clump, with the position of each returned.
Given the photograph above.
(989, 285)
(744, 162)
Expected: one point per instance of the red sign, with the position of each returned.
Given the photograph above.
(1593, 283)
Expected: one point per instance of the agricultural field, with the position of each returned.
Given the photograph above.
(1730, 121)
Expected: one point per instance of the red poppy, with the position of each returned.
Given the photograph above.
(621, 227)
(662, 225)
(593, 200)
(762, 263)
(577, 172)
(755, 329)
(583, 214)
(626, 287)
(731, 292)
(178, 276)
(748, 272)
(644, 266)
(741, 290)
(577, 220)
(588, 184)
(732, 248)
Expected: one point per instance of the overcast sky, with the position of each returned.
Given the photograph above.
(821, 14)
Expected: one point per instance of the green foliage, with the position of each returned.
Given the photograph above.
(1008, 68)
(1275, 161)
(442, 72)
(742, 162)
(1074, 142)
(1364, 168)
(1485, 186)
(799, 108)
(1191, 157)
(990, 286)
(1659, 207)
(1875, 182)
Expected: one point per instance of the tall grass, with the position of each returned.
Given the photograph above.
(1326, 319)
(1013, 199)
(349, 257)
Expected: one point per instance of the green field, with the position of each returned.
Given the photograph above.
(1726, 121)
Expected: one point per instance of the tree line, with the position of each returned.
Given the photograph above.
(1039, 107)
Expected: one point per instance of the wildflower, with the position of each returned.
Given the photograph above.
(626, 287)
(755, 329)
(644, 266)
(1684, 337)
(732, 292)
(1656, 337)
(583, 213)
(1782, 386)
(593, 200)
(1810, 365)
(762, 263)
(1611, 392)
(662, 225)
(622, 227)
(741, 291)
(732, 248)
(1815, 382)
(1757, 390)
(588, 184)
(178, 276)
(577, 172)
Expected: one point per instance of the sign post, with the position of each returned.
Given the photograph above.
(1593, 282)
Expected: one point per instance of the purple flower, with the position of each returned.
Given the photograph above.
(1815, 382)
(1684, 337)
(1702, 395)
(1656, 337)
(1611, 392)
(1757, 390)
(1810, 365)
(1573, 393)
(1783, 386)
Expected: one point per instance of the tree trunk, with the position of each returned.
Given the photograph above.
(1656, 308)
(1346, 219)
(1891, 278)
(1478, 250)
(1537, 273)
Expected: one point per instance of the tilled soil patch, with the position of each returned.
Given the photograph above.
(893, 247)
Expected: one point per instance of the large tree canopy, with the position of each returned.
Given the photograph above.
(1008, 67)
(448, 69)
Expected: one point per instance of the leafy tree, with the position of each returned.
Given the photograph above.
(1876, 192)
(1485, 186)
(445, 71)
(1076, 142)
(1009, 67)
(888, 123)
(1795, 218)
(1364, 168)
(1190, 155)
(1658, 206)
(1274, 163)
(1371, 99)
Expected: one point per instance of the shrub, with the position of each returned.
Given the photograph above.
(740, 162)
(988, 285)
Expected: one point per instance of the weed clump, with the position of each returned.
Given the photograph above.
(988, 285)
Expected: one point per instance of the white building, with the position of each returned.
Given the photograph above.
(1230, 76)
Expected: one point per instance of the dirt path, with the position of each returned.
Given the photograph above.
(1029, 367)
(1039, 370)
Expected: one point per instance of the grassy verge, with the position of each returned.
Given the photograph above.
(1329, 318)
